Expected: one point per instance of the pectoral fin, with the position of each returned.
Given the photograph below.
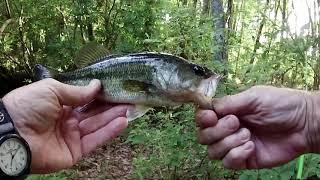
(136, 111)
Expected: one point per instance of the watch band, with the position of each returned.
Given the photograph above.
(6, 124)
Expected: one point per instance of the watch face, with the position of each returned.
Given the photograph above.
(13, 156)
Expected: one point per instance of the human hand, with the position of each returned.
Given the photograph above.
(59, 136)
(261, 127)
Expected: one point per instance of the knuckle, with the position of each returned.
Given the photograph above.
(211, 153)
(254, 88)
(50, 81)
(226, 99)
(206, 136)
(226, 164)
(72, 125)
(215, 153)
(252, 91)
(200, 138)
(232, 117)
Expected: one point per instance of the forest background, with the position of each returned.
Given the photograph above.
(249, 41)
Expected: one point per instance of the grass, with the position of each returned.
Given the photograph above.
(54, 176)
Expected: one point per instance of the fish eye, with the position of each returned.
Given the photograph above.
(199, 71)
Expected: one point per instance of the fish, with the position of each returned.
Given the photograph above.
(142, 79)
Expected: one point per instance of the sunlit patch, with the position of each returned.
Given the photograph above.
(238, 81)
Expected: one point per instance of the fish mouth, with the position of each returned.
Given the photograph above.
(208, 86)
(207, 90)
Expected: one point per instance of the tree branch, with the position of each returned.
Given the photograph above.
(8, 9)
(4, 26)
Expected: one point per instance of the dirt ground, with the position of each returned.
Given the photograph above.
(112, 161)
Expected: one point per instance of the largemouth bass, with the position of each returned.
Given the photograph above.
(145, 80)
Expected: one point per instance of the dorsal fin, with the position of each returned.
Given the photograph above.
(89, 54)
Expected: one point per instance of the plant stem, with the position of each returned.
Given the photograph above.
(300, 167)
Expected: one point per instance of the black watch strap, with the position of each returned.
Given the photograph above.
(6, 124)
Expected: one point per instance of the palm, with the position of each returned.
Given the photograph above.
(277, 130)
(63, 133)
(58, 134)
(274, 150)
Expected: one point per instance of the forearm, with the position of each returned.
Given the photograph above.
(312, 109)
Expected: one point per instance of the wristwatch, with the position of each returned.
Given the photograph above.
(15, 154)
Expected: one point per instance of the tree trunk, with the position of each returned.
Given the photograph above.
(242, 6)
(230, 15)
(257, 41)
(205, 7)
(149, 22)
(229, 20)
(220, 52)
(184, 2)
(82, 33)
(90, 31)
(316, 76)
(195, 3)
(284, 9)
(107, 20)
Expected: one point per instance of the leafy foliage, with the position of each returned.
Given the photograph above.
(54, 176)
(167, 147)
(261, 48)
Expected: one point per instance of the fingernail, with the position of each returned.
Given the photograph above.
(94, 81)
(232, 123)
(244, 134)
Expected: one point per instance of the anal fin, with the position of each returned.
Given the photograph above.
(136, 111)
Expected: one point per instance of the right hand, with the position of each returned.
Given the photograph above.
(261, 127)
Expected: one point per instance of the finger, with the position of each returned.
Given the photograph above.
(72, 137)
(237, 158)
(225, 126)
(92, 141)
(98, 121)
(92, 108)
(221, 148)
(76, 95)
(206, 118)
(234, 104)
(84, 115)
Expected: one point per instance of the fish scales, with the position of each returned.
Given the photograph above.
(112, 76)
(123, 70)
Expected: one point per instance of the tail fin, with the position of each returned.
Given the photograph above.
(42, 72)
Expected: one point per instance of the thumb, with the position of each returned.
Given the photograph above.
(234, 104)
(76, 95)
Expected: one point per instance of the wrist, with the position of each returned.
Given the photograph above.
(11, 103)
(313, 122)
(13, 148)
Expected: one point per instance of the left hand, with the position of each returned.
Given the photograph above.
(58, 135)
